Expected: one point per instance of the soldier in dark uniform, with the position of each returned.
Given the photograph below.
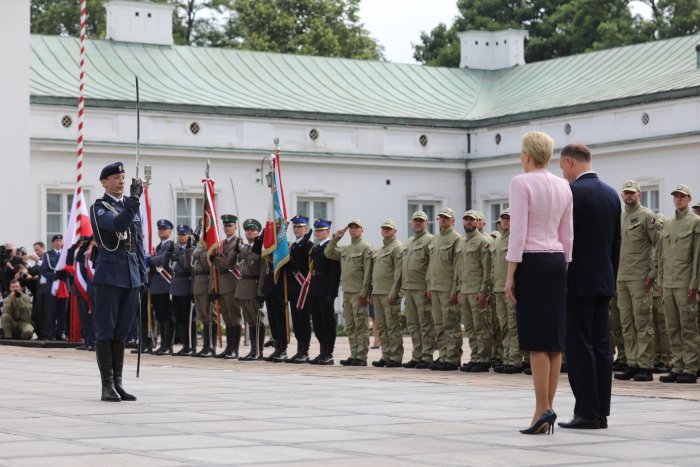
(325, 280)
(57, 308)
(160, 278)
(248, 291)
(181, 290)
(297, 270)
(81, 284)
(119, 274)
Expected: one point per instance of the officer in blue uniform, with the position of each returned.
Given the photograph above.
(57, 308)
(75, 260)
(297, 270)
(181, 290)
(160, 278)
(120, 272)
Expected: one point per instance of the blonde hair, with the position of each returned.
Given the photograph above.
(539, 146)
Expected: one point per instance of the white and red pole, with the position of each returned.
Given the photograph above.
(81, 117)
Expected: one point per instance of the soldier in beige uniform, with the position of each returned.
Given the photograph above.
(696, 208)
(386, 284)
(223, 256)
(443, 292)
(679, 268)
(248, 293)
(662, 343)
(505, 309)
(414, 288)
(635, 278)
(473, 278)
(202, 303)
(355, 276)
(494, 328)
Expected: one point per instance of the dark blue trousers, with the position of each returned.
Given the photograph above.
(115, 309)
(87, 324)
(57, 308)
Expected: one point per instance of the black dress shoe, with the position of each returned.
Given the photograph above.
(316, 359)
(380, 363)
(422, 365)
(626, 375)
(393, 364)
(326, 360)
(300, 358)
(347, 362)
(662, 368)
(447, 366)
(603, 422)
(280, 358)
(581, 423)
(687, 378)
(61, 337)
(410, 364)
(358, 362)
(669, 378)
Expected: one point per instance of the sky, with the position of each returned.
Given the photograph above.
(398, 23)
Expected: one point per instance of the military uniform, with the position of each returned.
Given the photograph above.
(119, 273)
(618, 342)
(298, 267)
(81, 285)
(323, 290)
(181, 292)
(355, 276)
(505, 309)
(441, 285)
(248, 292)
(56, 308)
(16, 316)
(679, 270)
(160, 278)
(273, 293)
(662, 343)
(414, 287)
(386, 284)
(473, 277)
(202, 303)
(223, 255)
(639, 234)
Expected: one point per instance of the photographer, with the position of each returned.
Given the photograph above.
(39, 303)
(17, 309)
(7, 252)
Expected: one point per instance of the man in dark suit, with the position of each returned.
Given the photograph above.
(57, 308)
(590, 286)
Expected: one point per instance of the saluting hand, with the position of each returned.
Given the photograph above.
(339, 234)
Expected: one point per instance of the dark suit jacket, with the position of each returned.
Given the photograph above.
(596, 253)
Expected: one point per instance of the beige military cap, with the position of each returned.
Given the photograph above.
(389, 224)
(505, 212)
(480, 216)
(356, 222)
(685, 189)
(696, 205)
(471, 213)
(419, 215)
(447, 212)
(631, 185)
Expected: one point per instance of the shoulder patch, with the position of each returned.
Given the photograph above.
(100, 211)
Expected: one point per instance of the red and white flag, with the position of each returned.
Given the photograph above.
(146, 224)
(78, 226)
(210, 225)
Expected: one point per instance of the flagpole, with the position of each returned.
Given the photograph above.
(286, 295)
(81, 116)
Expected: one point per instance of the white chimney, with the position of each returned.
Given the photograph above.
(142, 22)
(492, 50)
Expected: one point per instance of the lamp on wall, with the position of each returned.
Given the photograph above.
(268, 176)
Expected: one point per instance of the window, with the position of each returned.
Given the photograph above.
(313, 208)
(429, 208)
(650, 197)
(189, 210)
(58, 206)
(495, 209)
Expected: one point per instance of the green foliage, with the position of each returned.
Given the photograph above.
(62, 17)
(558, 28)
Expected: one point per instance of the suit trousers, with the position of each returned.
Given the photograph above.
(357, 325)
(388, 319)
(588, 354)
(420, 325)
(162, 306)
(276, 315)
(115, 309)
(322, 311)
(301, 321)
(447, 330)
(57, 309)
(637, 329)
(681, 320)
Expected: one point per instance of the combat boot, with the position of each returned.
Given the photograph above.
(644, 374)
(206, 349)
(103, 351)
(166, 338)
(274, 354)
(117, 367)
(687, 378)
(185, 350)
(302, 355)
(254, 353)
(627, 374)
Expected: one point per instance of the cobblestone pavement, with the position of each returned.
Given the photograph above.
(206, 411)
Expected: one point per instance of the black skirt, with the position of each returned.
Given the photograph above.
(540, 291)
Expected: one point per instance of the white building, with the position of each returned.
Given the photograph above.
(359, 139)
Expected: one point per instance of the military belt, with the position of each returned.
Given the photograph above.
(246, 276)
(202, 273)
(182, 274)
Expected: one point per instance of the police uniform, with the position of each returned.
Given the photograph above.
(443, 291)
(119, 273)
(298, 270)
(639, 234)
(248, 292)
(386, 284)
(202, 302)
(56, 308)
(679, 270)
(81, 285)
(223, 255)
(160, 279)
(473, 278)
(323, 290)
(355, 276)
(414, 287)
(181, 293)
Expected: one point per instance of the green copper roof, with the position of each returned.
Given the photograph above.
(235, 82)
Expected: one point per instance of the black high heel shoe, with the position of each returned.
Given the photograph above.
(545, 424)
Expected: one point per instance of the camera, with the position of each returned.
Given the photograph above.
(21, 251)
(24, 276)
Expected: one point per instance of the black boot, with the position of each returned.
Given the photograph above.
(281, 352)
(254, 354)
(227, 351)
(161, 331)
(185, 350)
(274, 354)
(235, 341)
(166, 338)
(206, 338)
(327, 356)
(103, 351)
(261, 339)
(117, 367)
(193, 339)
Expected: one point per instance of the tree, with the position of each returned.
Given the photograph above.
(62, 17)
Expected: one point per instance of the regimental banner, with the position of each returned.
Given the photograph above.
(210, 226)
(275, 241)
